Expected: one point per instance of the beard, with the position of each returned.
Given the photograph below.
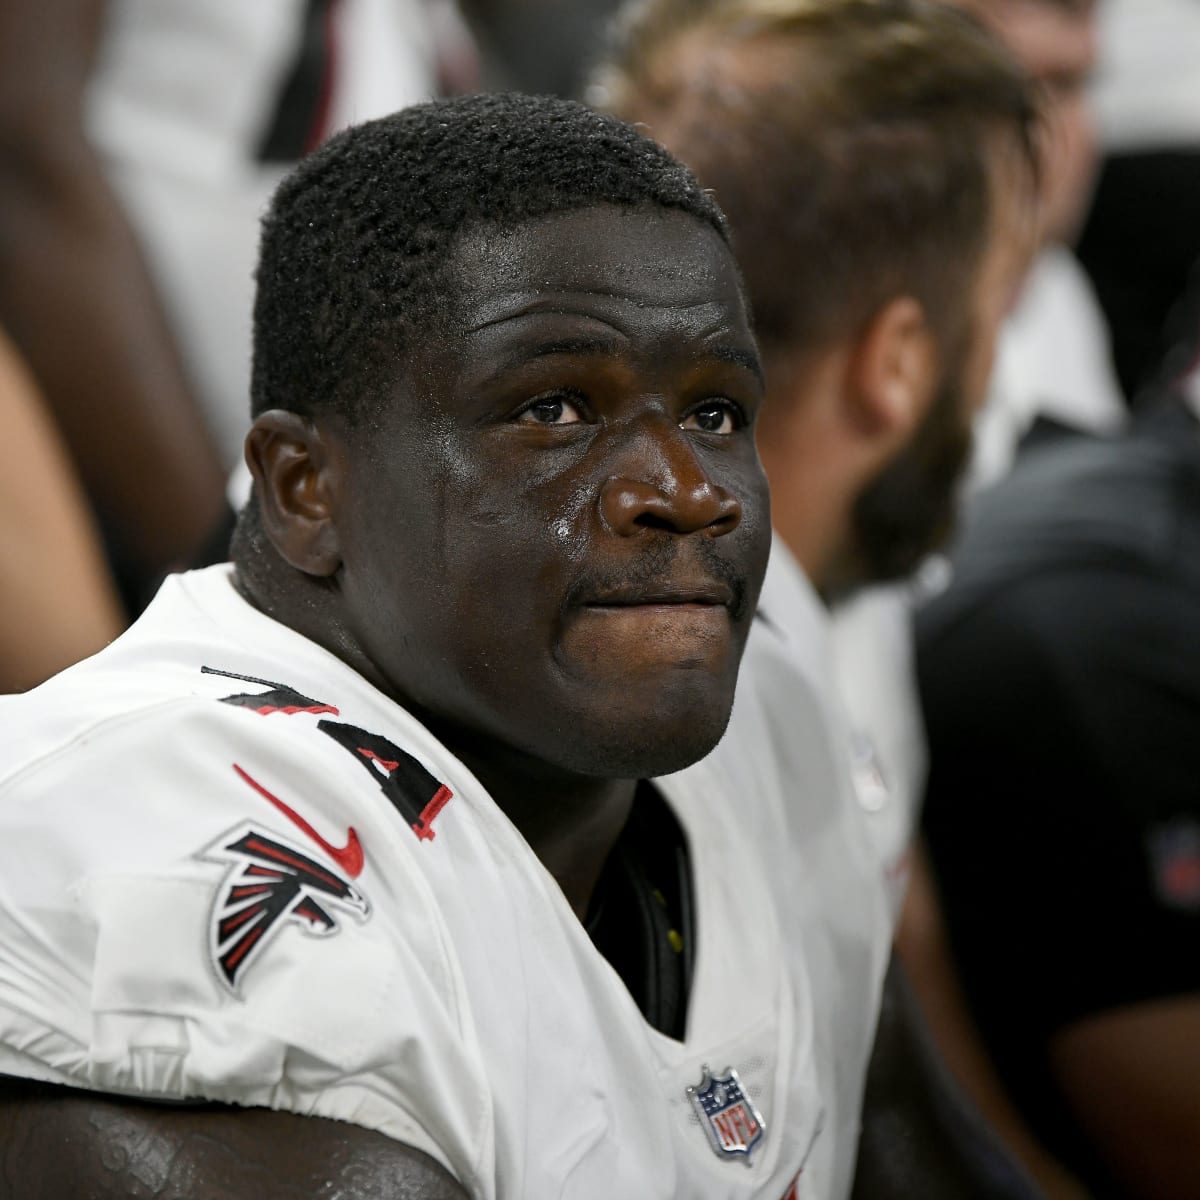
(908, 510)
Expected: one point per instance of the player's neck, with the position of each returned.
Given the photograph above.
(570, 822)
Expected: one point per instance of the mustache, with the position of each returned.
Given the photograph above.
(657, 569)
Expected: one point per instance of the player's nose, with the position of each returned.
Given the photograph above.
(662, 484)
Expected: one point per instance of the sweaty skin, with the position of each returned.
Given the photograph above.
(590, 420)
(57, 1144)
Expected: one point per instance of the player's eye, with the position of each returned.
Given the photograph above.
(551, 410)
(713, 416)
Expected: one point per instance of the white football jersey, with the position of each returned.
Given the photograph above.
(232, 869)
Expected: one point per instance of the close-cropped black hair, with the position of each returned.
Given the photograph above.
(350, 263)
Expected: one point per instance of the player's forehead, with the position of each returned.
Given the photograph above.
(638, 278)
(659, 258)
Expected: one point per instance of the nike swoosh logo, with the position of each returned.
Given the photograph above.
(349, 857)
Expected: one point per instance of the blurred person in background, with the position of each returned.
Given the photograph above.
(875, 162)
(1060, 675)
(876, 365)
(139, 141)
(1054, 377)
(58, 601)
(1053, 372)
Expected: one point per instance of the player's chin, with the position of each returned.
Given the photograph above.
(642, 737)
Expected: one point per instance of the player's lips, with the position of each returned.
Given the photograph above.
(624, 628)
(712, 594)
(672, 621)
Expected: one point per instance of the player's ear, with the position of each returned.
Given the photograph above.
(295, 475)
(893, 370)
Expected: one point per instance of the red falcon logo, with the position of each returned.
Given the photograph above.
(270, 882)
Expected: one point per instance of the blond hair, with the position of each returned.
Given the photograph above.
(849, 143)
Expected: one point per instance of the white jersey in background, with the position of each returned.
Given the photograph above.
(181, 105)
(232, 869)
(855, 663)
(875, 667)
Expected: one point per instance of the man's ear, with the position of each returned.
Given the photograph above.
(295, 475)
(893, 371)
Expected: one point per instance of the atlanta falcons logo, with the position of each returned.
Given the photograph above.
(270, 882)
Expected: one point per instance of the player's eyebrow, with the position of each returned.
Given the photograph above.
(741, 358)
(582, 344)
(598, 345)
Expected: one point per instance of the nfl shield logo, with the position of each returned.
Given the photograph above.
(734, 1126)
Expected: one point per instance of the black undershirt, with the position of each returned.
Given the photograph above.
(641, 916)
